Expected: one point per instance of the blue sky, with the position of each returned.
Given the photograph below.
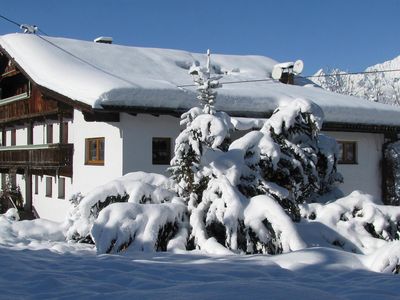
(350, 34)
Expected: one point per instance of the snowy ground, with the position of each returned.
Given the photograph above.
(34, 267)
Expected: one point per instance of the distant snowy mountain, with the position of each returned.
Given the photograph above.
(378, 87)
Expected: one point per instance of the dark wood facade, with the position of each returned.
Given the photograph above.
(24, 104)
(52, 159)
(31, 106)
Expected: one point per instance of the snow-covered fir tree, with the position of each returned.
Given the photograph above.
(289, 159)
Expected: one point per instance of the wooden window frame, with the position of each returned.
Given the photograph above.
(343, 158)
(99, 161)
(156, 159)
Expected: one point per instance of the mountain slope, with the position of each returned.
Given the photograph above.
(378, 86)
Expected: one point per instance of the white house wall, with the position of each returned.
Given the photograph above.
(21, 137)
(366, 174)
(51, 208)
(137, 132)
(38, 134)
(87, 177)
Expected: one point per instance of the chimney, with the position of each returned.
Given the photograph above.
(104, 40)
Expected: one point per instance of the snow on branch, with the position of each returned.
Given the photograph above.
(139, 227)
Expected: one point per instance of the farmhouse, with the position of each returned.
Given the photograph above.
(76, 114)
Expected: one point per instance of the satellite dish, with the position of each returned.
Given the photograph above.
(276, 73)
(298, 66)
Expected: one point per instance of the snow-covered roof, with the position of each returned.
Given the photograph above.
(103, 75)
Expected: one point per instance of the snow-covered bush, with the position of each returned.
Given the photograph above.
(354, 223)
(12, 214)
(137, 187)
(139, 227)
(386, 259)
(270, 229)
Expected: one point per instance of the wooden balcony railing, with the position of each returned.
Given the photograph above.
(37, 157)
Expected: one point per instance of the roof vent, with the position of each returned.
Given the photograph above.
(104, 40)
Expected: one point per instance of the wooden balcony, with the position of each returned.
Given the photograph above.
(46, 159)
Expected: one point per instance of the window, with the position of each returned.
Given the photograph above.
(49, 134)
(36, 184)
(347, 152)
(161, 151)
(94, 151)
(61, 188)
(49, 187)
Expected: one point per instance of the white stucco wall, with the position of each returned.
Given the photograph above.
(137, 132)
(51, 208)
(366, 174)
(38, 134)
(21, 136)
(87, 177)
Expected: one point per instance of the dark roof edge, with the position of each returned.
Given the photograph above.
(359, 127)
(327, 126)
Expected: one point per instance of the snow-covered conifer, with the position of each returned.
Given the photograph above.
(288, 159)
(204, 128)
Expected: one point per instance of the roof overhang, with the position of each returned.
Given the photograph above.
(327, 126)
(48, 92)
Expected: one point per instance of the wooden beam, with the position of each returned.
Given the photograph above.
(101, 116)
